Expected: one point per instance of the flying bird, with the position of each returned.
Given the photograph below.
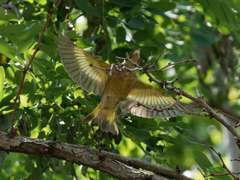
(119, 89)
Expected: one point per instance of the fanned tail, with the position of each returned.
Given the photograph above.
(105, 119)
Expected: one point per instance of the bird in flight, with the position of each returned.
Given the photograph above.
(117, 88)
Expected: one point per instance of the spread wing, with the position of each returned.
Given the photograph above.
(152, 97)
(77, 64)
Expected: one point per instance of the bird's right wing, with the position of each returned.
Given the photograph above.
(152, 98)
(77, 64)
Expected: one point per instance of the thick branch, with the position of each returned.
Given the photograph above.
(113, 164)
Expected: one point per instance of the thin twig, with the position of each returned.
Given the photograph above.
(172, 64)
(128, 72)
(28, 65)
(212, 174)
(219, 111)
(151, 58)
(94, 134)
(223, 164)
(156, 60)
(196, 91)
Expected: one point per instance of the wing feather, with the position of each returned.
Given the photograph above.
(77, 61)
(154, 98)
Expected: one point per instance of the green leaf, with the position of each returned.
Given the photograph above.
(2, 12)
(202, 159)
(136, 23)
(87, 7)
(78, 93)
(155, 11)
(2, 94)
(224, 28)
(237, 33)
(5, 126)
(204, 3)
(9, 17)
(210, 17)
(150, 19)
(204, 37)
(48, 49)
(121, 34)
(93, 38)
(59, 100)
(163, 5)
(9, 52)
(24, 39)
(141, 35)
(2, 78)
(40, 69)
(125, 3)
(220, 170)
(84, 170)
(168, 139)
(10, 76)
(158, 120)
(29, 165)
(69, 169)
(83, 43)
(222, 12)
(138, 132)
(151, 142)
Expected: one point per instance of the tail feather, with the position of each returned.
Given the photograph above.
(105, 120)
(93, 114)
(107, 123)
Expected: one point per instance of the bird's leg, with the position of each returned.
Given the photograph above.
(117, 117)
(100, 115)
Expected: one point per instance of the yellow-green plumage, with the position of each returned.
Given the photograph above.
(116, 92)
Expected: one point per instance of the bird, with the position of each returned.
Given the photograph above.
(117, 88)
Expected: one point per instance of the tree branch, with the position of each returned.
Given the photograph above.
(114, 164)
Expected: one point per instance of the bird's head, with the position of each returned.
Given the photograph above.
(134, 56)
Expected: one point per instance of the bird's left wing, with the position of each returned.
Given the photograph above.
(77, 64)
(154, 98)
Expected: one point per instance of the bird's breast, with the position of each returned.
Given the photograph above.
(118, 87)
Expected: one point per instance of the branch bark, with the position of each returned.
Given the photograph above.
(116, 165)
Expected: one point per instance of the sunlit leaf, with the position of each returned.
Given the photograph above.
(2, 78)
(202, 159)
(10, 77)
(150, 19)
(8, 51)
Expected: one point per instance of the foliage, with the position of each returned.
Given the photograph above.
(51, 105)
